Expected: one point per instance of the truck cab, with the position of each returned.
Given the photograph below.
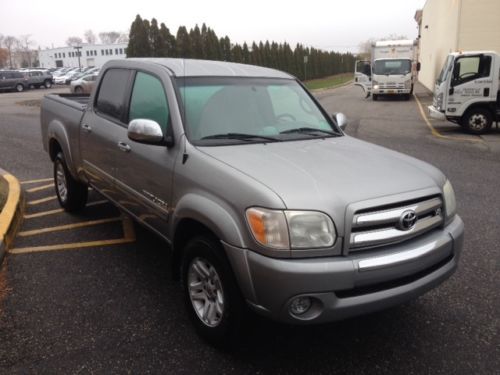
(467, 90)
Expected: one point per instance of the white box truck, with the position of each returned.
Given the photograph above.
(391, 70)
(467, 90)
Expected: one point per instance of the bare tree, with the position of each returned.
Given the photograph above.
(73, 41)
(24, 45)
(1, 40)
(123, 38)
(10, 42)
(109, 37)
(90, 37)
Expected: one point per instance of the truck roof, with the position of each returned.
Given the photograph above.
(203, 68)
(395, 43)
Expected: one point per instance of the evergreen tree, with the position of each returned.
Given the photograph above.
(155, 39)
(183, 43)
(167, 45)
(196, 43)
(138, 45)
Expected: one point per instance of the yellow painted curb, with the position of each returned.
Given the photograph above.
(11, 215)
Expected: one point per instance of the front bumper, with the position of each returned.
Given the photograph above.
(341, 287)
(435, 114)
(384, 91)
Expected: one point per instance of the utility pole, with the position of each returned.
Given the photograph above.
(305, 67)
(78, 48)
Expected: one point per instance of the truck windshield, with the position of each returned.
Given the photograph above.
(444, 72)
(235, 110)
(392, 66)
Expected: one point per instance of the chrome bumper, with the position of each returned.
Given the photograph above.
(346, 286)
(435, 114)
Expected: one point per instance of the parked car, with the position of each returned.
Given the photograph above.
(83, 85)
(13, 80)
(262, 198)
(39, 78)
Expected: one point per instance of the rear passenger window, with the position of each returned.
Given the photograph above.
(149, 101)
(112, 93)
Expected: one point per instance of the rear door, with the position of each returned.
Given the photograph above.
(144, 172)
(363, 75)
(100, 128)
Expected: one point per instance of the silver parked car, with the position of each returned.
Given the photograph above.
(13, 80)
(83, 85)
(262, 198)
(39, 78)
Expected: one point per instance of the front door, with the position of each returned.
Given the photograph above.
(362, 76)
(145, 171)
(472, 81)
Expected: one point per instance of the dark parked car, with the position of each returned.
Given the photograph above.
(12, 80)
(39, 78)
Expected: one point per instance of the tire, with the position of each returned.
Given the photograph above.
(71, 194)
(47, 84)
(375, 97)
(411, 90)
(406, 97)
(78, 90)
(477, 121)
(211, 295)
(19, 87)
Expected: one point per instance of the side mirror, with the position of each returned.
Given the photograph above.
(341, 120)
(147, 131)
(418, 67)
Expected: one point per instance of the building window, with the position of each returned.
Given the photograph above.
(116, 51)
(102, 52)
(64, 55)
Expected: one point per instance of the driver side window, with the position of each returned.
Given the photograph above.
(470, 68)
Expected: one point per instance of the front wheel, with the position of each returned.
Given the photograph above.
(47, 84)
(375, 97)
(19, 87)
(72, 194)
(78, 90)
(477, 120)
(211, 295)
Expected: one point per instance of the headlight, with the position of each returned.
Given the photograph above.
(291, 229)
(408, 84)
(439, 101)
(450, 204)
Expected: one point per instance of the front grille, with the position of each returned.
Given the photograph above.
(384, 225)
(392, 85)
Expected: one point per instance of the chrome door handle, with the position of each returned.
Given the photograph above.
(124, 147)
(86, 128)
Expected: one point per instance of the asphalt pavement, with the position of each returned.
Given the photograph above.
(113, 308)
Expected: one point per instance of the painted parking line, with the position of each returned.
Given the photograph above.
(436, 133)
(60, 228)
(60, 210)
(40, 188)
(36, 181)
(42, 200)
(128, 237)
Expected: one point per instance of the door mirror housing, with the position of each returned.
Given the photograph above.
(147, 131)
(341, 120)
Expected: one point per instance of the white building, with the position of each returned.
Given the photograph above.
(455, 25)
(90, 55)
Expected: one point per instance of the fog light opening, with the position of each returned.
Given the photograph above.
(300, 305)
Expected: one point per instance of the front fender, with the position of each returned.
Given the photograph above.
(220, 218)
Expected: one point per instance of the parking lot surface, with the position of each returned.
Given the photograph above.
(92, 293)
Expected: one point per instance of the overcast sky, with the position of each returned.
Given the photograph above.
(338, 25)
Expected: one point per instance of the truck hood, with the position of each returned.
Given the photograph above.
(328, 174)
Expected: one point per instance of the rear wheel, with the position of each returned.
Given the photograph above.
(78, 90)
(477, 120)
(19, 87)
(211, 294)
(72, 194)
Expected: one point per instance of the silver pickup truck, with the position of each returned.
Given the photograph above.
(262, 198)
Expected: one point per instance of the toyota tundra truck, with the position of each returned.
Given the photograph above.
(263, 199)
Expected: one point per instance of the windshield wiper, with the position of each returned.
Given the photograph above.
(310, 131)
(241, 136)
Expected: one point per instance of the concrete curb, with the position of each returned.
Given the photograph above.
(11, 215)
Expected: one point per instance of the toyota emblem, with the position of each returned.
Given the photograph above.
(407, 220)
